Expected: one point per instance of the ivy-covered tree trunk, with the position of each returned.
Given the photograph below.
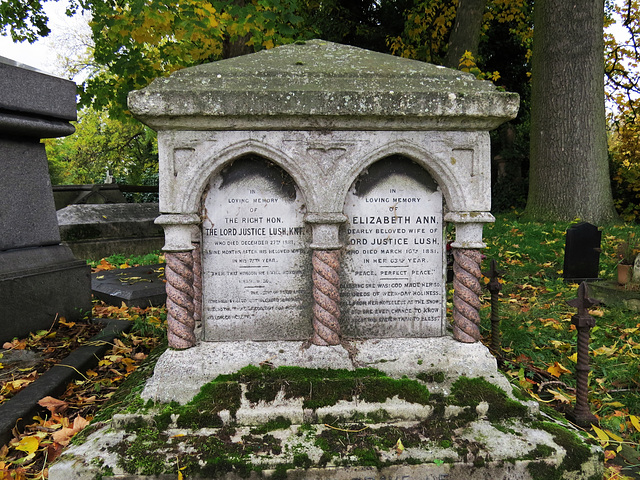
(569, 174)
(466, 31)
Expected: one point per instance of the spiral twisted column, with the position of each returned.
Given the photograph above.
(197, 284)
(466, 292)
(180, 304)
(326, 296)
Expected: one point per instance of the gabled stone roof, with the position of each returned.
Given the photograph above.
(322, 85)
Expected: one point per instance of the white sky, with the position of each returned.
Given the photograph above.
(41, 54)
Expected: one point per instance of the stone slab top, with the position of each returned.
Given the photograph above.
(317, 85)
(34, 93)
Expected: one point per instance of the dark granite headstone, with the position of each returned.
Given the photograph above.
(39, 278)
(136, 286)
(582, 252)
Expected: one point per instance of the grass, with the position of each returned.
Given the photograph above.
(124, 261)
(538, 336)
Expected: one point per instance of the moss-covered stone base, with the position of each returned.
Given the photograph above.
(299, 423)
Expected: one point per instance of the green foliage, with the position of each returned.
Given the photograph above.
(23, 20)
(118, 260)
(139, 40)
(362, 23)
(625, 167)
(127, 150)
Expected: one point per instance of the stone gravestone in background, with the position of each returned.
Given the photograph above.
(582, 253)
(39, 277)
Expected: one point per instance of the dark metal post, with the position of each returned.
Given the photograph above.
(584, 322)
(494, 286)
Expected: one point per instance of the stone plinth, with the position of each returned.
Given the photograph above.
(95, 231)
(39, 278)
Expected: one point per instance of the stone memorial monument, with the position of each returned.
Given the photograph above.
(304, 193)
(39, 277)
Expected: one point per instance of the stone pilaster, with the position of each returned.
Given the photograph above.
(466, 273)
(326, 278)
(179, 272)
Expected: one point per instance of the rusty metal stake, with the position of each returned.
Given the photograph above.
(584, 322)
(494, 286)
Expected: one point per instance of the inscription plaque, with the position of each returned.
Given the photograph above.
(393, 276)
(255, 258)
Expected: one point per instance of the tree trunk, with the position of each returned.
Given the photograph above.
(238, 46)
(466, 31)
(569, 174)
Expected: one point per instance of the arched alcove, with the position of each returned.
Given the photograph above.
(255, 255)
(392, 270)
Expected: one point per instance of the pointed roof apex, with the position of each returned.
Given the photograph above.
(318, 85)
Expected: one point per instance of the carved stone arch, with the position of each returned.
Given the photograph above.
(442, 173)
(214, 163)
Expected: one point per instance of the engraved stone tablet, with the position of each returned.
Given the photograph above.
(393, 276)
(256, 264)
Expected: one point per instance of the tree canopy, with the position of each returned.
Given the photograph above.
(135, 41)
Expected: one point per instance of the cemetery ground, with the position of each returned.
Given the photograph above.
(538, 350)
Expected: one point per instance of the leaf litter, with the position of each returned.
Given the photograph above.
(33, 448)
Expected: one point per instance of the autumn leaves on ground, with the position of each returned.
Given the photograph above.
(31, 451)
(538, 348)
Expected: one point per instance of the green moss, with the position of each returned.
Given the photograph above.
(445, 444)
(379, 416)
(324, 459)
(322, 387)
(544, 471)
(104, 472)
(471, 391)
(141, 456)
(280, 472)
(135, 425)
(279, 423)
(577, 452)
(437, 377)
(505, 429)
(302, 460)
(541, 451)
(367, 457)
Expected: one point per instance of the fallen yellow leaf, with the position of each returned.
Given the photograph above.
(635, 422)
(557, 369)
(28, 444)
(604, 350)
(604, 438)
(399, 447)
(561, 397)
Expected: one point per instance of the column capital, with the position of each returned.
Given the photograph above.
(178, 231)
(326, 228)
(469, 228)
